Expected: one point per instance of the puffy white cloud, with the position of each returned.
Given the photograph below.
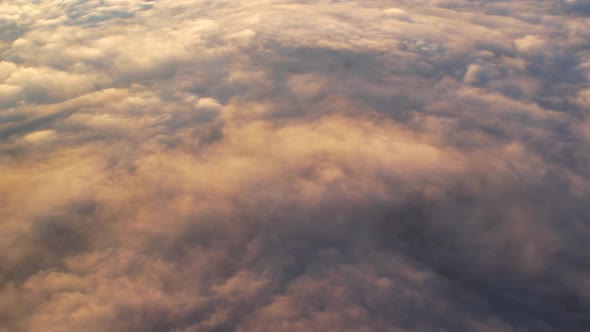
(39, 136)
(43, 84)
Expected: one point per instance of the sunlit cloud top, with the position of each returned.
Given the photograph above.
(288, 165)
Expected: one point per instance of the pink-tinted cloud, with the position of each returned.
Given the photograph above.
(294, 166)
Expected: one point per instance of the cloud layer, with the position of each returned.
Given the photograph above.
(294, 166)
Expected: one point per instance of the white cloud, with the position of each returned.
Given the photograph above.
(40, 136)
(43, 84)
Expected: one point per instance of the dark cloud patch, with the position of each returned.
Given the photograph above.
(10, 32)
(51, 239)
(93, 13)
(460, 256)
(577, 7)
(31, 124)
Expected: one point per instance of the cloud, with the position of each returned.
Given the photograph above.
(294, 166)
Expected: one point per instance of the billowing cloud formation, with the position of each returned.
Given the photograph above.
(294, 166)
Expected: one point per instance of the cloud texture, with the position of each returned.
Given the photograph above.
(282, 165)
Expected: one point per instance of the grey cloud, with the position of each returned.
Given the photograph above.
(577, 7)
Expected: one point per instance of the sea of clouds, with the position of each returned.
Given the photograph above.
(282, 165)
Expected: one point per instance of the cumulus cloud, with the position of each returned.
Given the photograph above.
(294, 166)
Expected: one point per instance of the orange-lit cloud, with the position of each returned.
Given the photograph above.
(294, 166)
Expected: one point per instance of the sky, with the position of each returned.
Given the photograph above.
(282, 165)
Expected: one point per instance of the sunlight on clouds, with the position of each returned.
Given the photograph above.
(294, 165)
